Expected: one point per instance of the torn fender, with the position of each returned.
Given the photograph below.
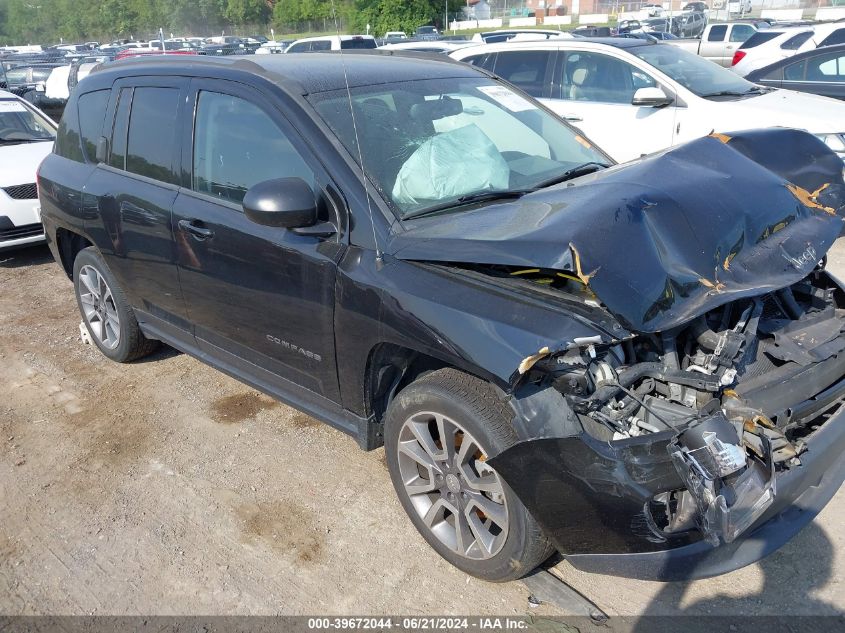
(667, 238)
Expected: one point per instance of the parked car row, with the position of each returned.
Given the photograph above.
(634, 97)
(719, 41)
(26, 137)
(820, 71)
(770, 46)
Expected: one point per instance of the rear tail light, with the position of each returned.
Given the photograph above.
(738, 57)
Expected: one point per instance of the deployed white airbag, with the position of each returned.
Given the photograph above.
(449, 165)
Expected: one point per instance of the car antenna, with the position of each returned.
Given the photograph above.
(379, 253)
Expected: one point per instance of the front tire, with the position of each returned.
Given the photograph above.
(108, 317)
(439, 432)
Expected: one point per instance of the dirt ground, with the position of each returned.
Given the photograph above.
(165, 487)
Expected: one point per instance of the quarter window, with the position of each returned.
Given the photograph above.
(485, 61)
(67, 139)
(775, 75)
(92, 111)
(837, 37)
(795, 42)
(760, 37)
(152, 133)
(795, 72)
(237, 145)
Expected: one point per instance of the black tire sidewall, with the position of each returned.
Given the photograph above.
(128, 322)
(420, 397)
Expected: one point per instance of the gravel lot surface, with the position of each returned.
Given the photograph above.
(165, 487)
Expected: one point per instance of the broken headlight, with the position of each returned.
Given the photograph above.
(713, 447)
(730, 490)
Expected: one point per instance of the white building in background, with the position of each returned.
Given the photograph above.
(477, 10)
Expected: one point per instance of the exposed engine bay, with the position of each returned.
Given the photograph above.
(718, 388)
(670, 345)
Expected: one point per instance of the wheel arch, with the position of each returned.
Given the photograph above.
(69, 244)
(391, 367)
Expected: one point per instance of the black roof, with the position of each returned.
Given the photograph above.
(306, 72)
(621, 42)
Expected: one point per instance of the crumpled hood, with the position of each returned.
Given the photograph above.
(670, 237)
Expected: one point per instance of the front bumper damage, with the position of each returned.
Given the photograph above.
(595, 500)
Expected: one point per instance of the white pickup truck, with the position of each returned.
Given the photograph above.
(719, 41)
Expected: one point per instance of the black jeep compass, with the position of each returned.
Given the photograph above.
(641, 366)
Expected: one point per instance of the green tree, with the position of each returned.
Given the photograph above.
(247, 11)
(400, 15)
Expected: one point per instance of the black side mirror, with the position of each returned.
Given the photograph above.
(282, 202)
(101, 154)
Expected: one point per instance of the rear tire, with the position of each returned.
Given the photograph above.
(463, 509)
(107, 316)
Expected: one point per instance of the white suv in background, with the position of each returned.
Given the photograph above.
(634, 97)
(331, 43)
(770, 45)
(26, 137)
(739, 7)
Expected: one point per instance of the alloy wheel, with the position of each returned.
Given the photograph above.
(98, 307)
(459, 498)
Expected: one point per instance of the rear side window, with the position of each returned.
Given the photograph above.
(795, 42)
(362, 43)
(837, 37)
(741, 32)
(717, 33)
(830, 67)
(152, 132)
(760, 37)
(237, 145)
(117, 158)
(526, 69)
(302, 47)
(92, 111)
(67, 138)
(775, 75)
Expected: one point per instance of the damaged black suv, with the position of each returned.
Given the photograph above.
(641, 366)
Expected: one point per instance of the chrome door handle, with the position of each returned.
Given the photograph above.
(572, 117)
(199, 232)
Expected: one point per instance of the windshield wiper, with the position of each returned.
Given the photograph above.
(478, 196)
(723, 93)
(579, 170)
(16, 141)
(735, 93)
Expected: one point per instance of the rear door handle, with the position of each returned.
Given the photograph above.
(199, 232)
(572, 117)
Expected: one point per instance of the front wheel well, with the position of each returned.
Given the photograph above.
(69, 245)
(391, 368)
